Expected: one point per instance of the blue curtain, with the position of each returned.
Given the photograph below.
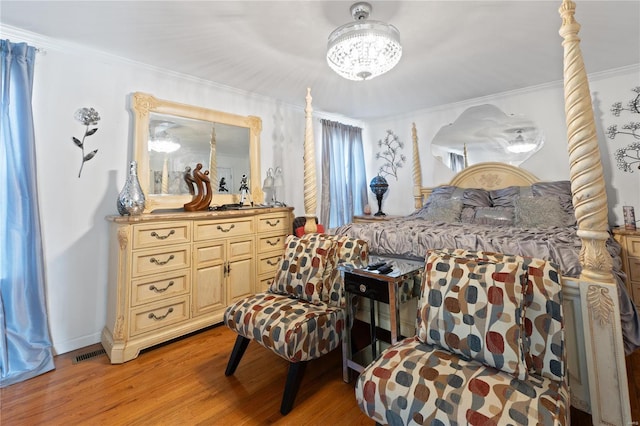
(25, 345)
(344, 186)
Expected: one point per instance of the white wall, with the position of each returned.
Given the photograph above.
(545, 106)
(73, 210)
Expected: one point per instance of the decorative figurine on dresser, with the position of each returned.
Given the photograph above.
(173, 271)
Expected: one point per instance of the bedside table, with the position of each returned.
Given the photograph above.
(371, 218)
(630, 242)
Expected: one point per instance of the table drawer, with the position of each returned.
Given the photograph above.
(222, 229)
(368, 287)
(155, 261)
(153, 317)
(633, 246)
(274, 242)
(158, 288)
(161, 234)
(274, 223)
(634, 269)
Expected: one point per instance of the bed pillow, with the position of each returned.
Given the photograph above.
(506, 197)
(497, 216)
(560, 189)
(539, 212)
(474, 308)
(443, 210)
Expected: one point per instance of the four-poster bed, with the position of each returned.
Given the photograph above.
(591, 302)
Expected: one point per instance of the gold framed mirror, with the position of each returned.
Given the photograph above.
(170, 138)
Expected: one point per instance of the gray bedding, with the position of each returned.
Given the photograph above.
(411, 237)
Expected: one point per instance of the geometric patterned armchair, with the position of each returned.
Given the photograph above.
(302, 315)
(489, 347)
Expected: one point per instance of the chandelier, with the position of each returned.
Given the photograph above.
(519, 144)
(363, 49)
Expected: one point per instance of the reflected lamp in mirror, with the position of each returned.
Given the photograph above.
(164, 144)
(484, 133)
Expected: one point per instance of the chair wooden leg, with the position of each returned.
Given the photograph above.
(294, 377)
(236, 354)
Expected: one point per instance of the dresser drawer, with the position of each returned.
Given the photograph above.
(222, 229)
(274, 242)
(160, 287)
(155, 261)
(634, 270)
(633, 246)
(273, 223)
(269, 264)
(263, 284)
(158, 315)
(161, 234)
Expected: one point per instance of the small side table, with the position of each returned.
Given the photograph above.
(400, 285)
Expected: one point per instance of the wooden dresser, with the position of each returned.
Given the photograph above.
(630, 242)
(174, 273)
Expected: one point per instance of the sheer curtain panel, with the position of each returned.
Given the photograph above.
(344, 186)
(25, 345)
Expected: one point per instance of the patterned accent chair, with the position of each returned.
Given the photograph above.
(489, 348)
(302, 315)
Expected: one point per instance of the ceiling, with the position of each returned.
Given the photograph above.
(452, 50)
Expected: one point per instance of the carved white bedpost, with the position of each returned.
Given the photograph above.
(310, 187)
(609, 394)
(417, 171)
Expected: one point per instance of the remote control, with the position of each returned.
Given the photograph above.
(376, 265)
(385, 269)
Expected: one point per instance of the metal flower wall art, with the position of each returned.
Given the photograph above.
(88, 117)
(628, 157)
(390, 152)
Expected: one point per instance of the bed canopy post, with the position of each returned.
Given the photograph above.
(587, 179)
(310, 187)
(598, 295)
(417, 172)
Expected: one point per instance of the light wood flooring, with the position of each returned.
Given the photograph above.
(183, 383)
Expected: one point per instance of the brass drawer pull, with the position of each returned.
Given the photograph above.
(271, 262)
(272, 224)
(161, 317)
(226, 230)
(163, 237)
(161, 262)
(273, 244)
(161, 290)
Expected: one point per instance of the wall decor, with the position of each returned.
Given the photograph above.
(390, 153)
(628, 157)
(88, 117)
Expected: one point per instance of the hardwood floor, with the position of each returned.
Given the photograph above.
(183, 382)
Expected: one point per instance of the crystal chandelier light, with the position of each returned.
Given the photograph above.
(363, 49)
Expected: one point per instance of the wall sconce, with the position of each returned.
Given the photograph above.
(272, 182)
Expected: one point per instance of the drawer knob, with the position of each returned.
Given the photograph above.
(226, 230)
(274, 223)
(161, 317)
(161, 290)
(362, 288)
(163, 237)
(273, 244)
(161, 262)
(271, 262)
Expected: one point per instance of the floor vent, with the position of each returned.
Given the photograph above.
(89, 355)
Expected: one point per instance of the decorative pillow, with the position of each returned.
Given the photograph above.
(304, 268)
(468, 215)
(560, 189)
(506, 197)
(498, 216)
(443, 210)
(539, 212)
(474, 307)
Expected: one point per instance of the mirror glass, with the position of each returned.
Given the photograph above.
(172, 138)
(485, 133)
